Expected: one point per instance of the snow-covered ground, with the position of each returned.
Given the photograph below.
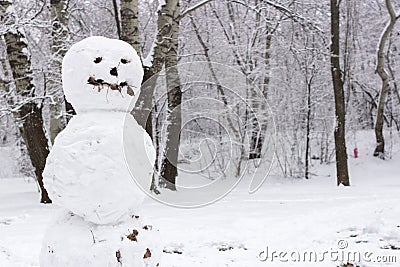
(287, 218)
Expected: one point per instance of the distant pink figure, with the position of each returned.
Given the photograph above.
(355, 152)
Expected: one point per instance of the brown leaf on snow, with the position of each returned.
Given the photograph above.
(133, 235)
(147, 227)
(147, 254)
(118, 255)
(130, 91)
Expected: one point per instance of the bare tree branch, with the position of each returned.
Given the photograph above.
(193, 8)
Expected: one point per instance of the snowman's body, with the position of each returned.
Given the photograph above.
(71, 241)
(86, 171)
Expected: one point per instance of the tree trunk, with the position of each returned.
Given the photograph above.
(380, 69)
(308, 130)
(142, 111)
(29, 115)
(35, 141)
(59, 34)
(258, 137)
(169, 169)
(130, 23)
(116, 16)
(164, 52)
(340, 110)
(156, 141)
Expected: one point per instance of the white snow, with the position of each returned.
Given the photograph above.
(148, 60)
(289, 215)
(86, 170)
(8, 162)
(123, 244)
(161, 3)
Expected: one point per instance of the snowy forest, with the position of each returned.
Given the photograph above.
(286, 111)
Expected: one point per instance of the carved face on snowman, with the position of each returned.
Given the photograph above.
(99, 73)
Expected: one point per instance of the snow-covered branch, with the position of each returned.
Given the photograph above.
(193, 8)
(289, 13)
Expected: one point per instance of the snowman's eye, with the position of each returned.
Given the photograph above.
(98, 60)
(124, 61)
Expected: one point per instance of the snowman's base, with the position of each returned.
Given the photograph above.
(70, 241)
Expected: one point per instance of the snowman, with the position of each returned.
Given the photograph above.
(86, 172)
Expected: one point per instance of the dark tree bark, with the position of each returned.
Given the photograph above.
(116, 16)
(36, 142)
(383, 74)
(142, 112)
(130, 23)
(165, 53)
(69, 109)
(162, 43)
(29, 115)
(308, 130)
(340, 109)
(169, 169)
(59, 35)
(258, 134)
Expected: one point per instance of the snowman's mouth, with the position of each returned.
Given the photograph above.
(100, 84)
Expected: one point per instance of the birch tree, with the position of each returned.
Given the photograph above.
(130, 23)
(59, 35)
(174, 95)
(384, 76)
(154, 64)
(164, 53)
(28, 111)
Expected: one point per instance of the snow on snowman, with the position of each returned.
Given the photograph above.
(86, 172)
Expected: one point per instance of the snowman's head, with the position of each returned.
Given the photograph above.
(99, 73)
